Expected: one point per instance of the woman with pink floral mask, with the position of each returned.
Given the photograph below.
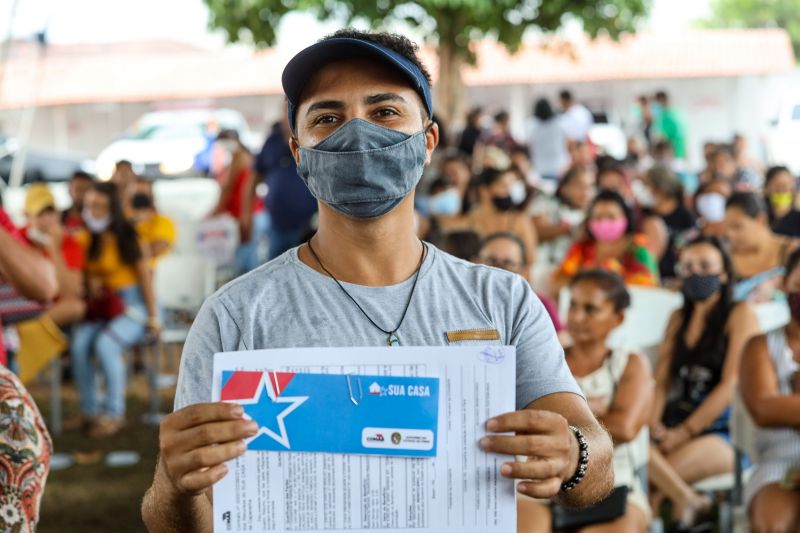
(611, 244)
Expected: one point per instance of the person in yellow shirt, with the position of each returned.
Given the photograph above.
(156, 231)
(121, 307)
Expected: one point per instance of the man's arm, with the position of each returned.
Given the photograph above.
(542, 434)
(30, 273)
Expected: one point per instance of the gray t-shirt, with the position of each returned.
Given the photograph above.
(285, 304)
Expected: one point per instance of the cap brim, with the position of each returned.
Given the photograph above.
(309, 61)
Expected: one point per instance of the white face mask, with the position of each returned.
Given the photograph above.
(642, 194)
(711, 206)
(39, 237)
(95, 225)
(518, 193)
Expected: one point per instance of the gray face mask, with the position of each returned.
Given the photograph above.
(363, 170)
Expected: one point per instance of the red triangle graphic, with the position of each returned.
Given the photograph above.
(279, 381)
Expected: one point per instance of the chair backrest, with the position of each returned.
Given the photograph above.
(743, 429)
(184, 281)
(646, 319)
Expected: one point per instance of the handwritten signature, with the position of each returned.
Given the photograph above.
(493, 356)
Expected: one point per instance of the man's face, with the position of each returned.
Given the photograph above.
(123, 175)
(359, 88)
(77, 191)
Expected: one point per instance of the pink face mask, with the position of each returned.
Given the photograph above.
(606, 230)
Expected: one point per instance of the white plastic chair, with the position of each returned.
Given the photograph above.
(645, 321)
(181, 283)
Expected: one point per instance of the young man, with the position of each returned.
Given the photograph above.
(72, 218)
(369, 96)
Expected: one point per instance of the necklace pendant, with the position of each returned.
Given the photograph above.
(393, 340)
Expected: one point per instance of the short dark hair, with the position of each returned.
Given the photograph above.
(81, 175)
(749, 203)
(565, 94)
(543, 110)
(662, 95)
(123, 163)
(463, 244)
(508, 236)
(502, 116)
(609, 282)
(393, 41)
(773, 172)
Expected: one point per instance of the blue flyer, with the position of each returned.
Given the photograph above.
(337, 413)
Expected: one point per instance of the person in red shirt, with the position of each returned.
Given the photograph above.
(45, 233)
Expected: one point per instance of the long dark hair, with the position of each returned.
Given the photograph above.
(707, 348)
(572, 174)
(122, 230)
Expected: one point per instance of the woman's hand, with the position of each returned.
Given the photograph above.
(673, 439)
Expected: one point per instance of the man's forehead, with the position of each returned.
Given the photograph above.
(360, 76)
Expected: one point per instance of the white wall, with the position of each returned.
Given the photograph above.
(714, 108)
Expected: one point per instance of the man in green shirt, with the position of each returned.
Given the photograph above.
(669, 125)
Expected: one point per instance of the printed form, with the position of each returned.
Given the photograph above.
(390, 478)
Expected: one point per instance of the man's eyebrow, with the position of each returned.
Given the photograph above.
(325, 104)
(383, 97)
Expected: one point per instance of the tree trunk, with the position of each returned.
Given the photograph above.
(450, 102)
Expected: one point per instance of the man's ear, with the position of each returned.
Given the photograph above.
(431, 141)
(294, 146)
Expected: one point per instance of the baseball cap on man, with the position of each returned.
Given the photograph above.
(302, 67)
(38, 199)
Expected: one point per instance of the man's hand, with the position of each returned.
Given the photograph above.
(196, 441)
(544, 437)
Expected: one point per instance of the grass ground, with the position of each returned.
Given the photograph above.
(92, 497)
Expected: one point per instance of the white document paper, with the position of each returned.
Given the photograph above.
(459, 491)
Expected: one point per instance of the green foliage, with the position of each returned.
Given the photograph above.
(758, 14)
(452, 22)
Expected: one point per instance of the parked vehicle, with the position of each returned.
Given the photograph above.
(166, 144)
(40, 165)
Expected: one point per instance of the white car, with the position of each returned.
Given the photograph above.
(165, 144)
(783, 141)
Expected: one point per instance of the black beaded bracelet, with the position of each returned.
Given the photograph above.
(583, 461)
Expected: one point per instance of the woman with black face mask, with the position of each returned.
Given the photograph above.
(698, 365)
(502, 197)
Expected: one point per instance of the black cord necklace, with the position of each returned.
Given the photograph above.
(392, 339)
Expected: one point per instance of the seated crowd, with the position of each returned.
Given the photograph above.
(583, 228)
(727, 238)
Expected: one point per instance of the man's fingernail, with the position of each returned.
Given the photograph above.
(251, 427)
(241, 447)
(237, 410)
(522, 487)
(491, 424)
(484, 443)
(505, 469)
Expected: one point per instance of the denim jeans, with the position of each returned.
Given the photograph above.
(247, 255)
(107, 341)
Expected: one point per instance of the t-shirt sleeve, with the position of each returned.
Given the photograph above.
(8, 225)
(213, 331)
(541, 367)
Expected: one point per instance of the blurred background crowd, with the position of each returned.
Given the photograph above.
(652, 204)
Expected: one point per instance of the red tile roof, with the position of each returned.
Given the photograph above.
(148, 71)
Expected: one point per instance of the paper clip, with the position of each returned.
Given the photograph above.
(350, 390)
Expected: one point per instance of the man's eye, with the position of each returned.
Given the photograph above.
(325, 119)
(386, 112)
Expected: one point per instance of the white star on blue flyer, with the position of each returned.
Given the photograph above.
(269, 411)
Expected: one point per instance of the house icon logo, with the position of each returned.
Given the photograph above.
(375, 389)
